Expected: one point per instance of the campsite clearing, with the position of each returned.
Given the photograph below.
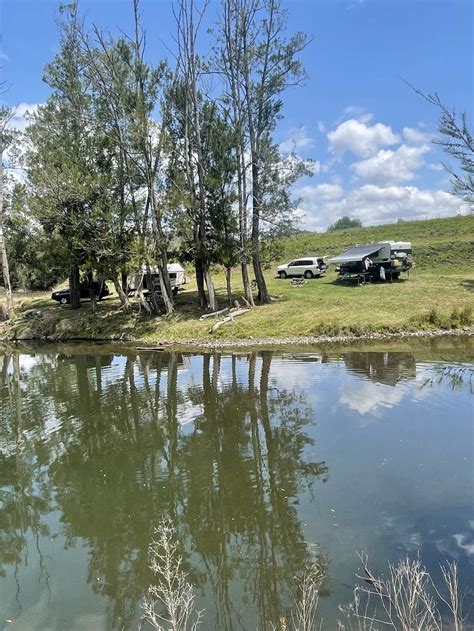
(438, 294)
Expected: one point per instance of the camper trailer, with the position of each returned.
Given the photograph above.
(384, 260)
(139, 280)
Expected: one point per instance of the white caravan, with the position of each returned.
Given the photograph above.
(176, 273)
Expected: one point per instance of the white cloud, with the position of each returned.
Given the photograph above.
(359, 113)
(361, 139)
(415, 136)
(320, 191)
(377, 204)
(391, 167)
(299, 139)
(20, 118)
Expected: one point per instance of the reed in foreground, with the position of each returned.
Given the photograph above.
(408, 599)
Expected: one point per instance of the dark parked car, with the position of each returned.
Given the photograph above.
(64, 295)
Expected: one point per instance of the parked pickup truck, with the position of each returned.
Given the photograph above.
(100, 290)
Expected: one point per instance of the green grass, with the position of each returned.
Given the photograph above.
(438, 294)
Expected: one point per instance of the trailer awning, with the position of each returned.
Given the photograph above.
(357, 253)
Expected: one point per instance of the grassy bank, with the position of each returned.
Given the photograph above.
(438, 294)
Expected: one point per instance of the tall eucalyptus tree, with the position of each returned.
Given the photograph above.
(60, 162)
(259, 63)
(130, 90)
(6, 138)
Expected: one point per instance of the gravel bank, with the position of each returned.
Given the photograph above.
(252, 342)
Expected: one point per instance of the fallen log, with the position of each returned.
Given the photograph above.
(214, 313)
(229, 318)
(150, 348)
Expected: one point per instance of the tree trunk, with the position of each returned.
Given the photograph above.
(74, 286)
(228, 272)
(124, 301)
(210, 287)
(3, 245)
(165, 283)
(123, 278)
(92, 294)
(242, 187)
(151, 288)
(200, 283)
(166, 292)
(263, 295)
(189, 33)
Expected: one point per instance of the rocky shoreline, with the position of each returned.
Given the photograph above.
(306, 341)
(252, 342)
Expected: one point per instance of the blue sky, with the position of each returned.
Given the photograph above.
(369, 134)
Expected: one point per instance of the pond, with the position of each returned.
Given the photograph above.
(262, 460)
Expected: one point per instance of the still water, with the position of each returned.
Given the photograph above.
(262, 460)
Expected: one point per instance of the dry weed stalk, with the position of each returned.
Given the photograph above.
(173, 593)
(307, 599)
(403, 601)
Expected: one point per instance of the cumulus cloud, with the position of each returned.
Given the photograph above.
(416, 136)
(320, 191)
(374, 204)
(360, 138)
(391, 167)
(298, 139)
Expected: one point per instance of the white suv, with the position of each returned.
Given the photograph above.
(308, 267)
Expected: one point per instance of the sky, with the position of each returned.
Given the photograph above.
(370, 136)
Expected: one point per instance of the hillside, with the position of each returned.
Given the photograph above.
(436, 242)
(438, 294)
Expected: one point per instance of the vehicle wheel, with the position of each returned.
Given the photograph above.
(396, 275)
(282, 275)
(64, 301)
(308, 274)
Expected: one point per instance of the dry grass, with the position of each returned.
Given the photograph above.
(406, 600)
(170, 604)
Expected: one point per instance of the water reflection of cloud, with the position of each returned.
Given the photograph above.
(366, 397)
(27, 362)
(187, 412)
(462, 542)
(458, 544)
(369, 397)
(292, 375)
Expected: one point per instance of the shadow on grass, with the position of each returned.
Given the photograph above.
(468, 284)
(376, 283)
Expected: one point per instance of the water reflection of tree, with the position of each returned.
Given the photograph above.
(382, 367)
(24, 489)
(118, 458)
(457, 376)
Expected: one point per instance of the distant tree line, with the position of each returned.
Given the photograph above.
(344, 223)
(130, 162)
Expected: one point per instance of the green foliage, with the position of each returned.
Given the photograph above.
(345, 223)
(37, 261)
(458, 143)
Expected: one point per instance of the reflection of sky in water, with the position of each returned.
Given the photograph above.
(399, 454)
